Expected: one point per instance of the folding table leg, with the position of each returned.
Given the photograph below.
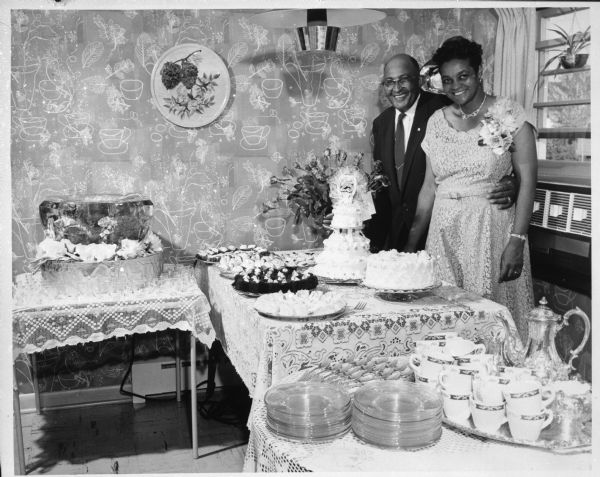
(18, 428)
(36, 385)
(194, 400)
(177, 368)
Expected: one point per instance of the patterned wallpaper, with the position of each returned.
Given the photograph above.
(84, 122)
(81, 77)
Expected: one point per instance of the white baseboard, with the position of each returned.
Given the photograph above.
(75, 398)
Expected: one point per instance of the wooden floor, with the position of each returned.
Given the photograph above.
(117, 438)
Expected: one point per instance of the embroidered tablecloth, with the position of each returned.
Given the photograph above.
(42, 320)
(265, 350)
(454, 452)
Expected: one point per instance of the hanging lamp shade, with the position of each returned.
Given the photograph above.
(317, 29)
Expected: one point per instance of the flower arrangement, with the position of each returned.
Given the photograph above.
(192, 92)
(498, 125)
(52, 249)
(306, 187)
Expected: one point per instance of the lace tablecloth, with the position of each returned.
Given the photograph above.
(453, 452)
(42, 321)
(265, 350)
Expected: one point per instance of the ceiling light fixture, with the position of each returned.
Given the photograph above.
(317, 29)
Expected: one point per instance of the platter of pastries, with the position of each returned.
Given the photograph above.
(213, 255)
(239, 262)
(297, 258)
(303, 305)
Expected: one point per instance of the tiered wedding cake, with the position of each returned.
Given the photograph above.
(346, 250)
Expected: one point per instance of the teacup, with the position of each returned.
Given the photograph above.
(456, 380)
(429, 365)
(431, 382)
(461, 347)
(515, 373)
(484, 358)
(527, 396)
(456, 406)
(442, 336)
(489, 389)
(528, 426)
(488, 418)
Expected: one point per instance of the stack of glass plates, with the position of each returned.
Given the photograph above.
(308, 411)
(397, 414)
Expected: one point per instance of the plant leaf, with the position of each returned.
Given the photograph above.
(91, 53)
(240, 196)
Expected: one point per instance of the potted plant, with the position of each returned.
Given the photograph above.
(569, 54)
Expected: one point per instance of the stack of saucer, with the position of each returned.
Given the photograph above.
(308, 411)
(397, 414)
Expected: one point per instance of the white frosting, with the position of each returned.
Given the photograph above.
(395, 270)
(344, 256)
(346, 215)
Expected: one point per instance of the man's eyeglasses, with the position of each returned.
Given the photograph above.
(403, 81)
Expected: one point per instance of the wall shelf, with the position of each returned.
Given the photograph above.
(560, 104)
(562, 71)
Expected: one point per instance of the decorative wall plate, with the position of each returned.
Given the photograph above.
(190, 85)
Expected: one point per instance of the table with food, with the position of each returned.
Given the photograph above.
(362, 361)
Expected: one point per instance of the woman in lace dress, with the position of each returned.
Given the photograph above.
(479, 247)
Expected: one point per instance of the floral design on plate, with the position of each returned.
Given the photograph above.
(190, 85)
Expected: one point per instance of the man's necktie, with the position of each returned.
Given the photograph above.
(399, 148)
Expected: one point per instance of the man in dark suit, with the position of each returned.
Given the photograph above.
(397, 135)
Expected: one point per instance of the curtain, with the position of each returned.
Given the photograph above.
(515, 71)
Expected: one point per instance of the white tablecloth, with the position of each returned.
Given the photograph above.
(42, 321)
(453, 452)
(265, 350)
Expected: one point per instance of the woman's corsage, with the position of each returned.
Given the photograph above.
(499, 124)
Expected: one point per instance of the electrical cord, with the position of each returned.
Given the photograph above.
(229, 410)
(131, 393)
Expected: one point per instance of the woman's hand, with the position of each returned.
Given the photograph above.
(511, 263)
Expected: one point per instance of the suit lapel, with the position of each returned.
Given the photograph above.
(417, 132)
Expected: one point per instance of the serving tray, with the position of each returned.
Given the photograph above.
(325, 316)
(392, 294)
(549, 439)
(338, 281)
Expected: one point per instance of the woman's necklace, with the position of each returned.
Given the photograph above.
(474, 113)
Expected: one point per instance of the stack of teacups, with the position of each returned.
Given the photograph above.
(527, 412)
(397, 414)
(308, 411)
(441, 351)
(456, 383)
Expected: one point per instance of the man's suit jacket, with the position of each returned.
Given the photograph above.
(395, 205)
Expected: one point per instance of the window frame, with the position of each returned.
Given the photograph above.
(565, 172)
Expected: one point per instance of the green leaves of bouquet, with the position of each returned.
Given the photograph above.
(196, 94)
(305, 188)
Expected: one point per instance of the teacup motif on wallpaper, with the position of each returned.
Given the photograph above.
(272, 87)
(33, 128)
(75, 124)
(352, 120)
(275, 226)
(114, 141)
(337, 91)
(254, 138)
(131, 89)
(315, 122)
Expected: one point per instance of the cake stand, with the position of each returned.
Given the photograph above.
(394, 294)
